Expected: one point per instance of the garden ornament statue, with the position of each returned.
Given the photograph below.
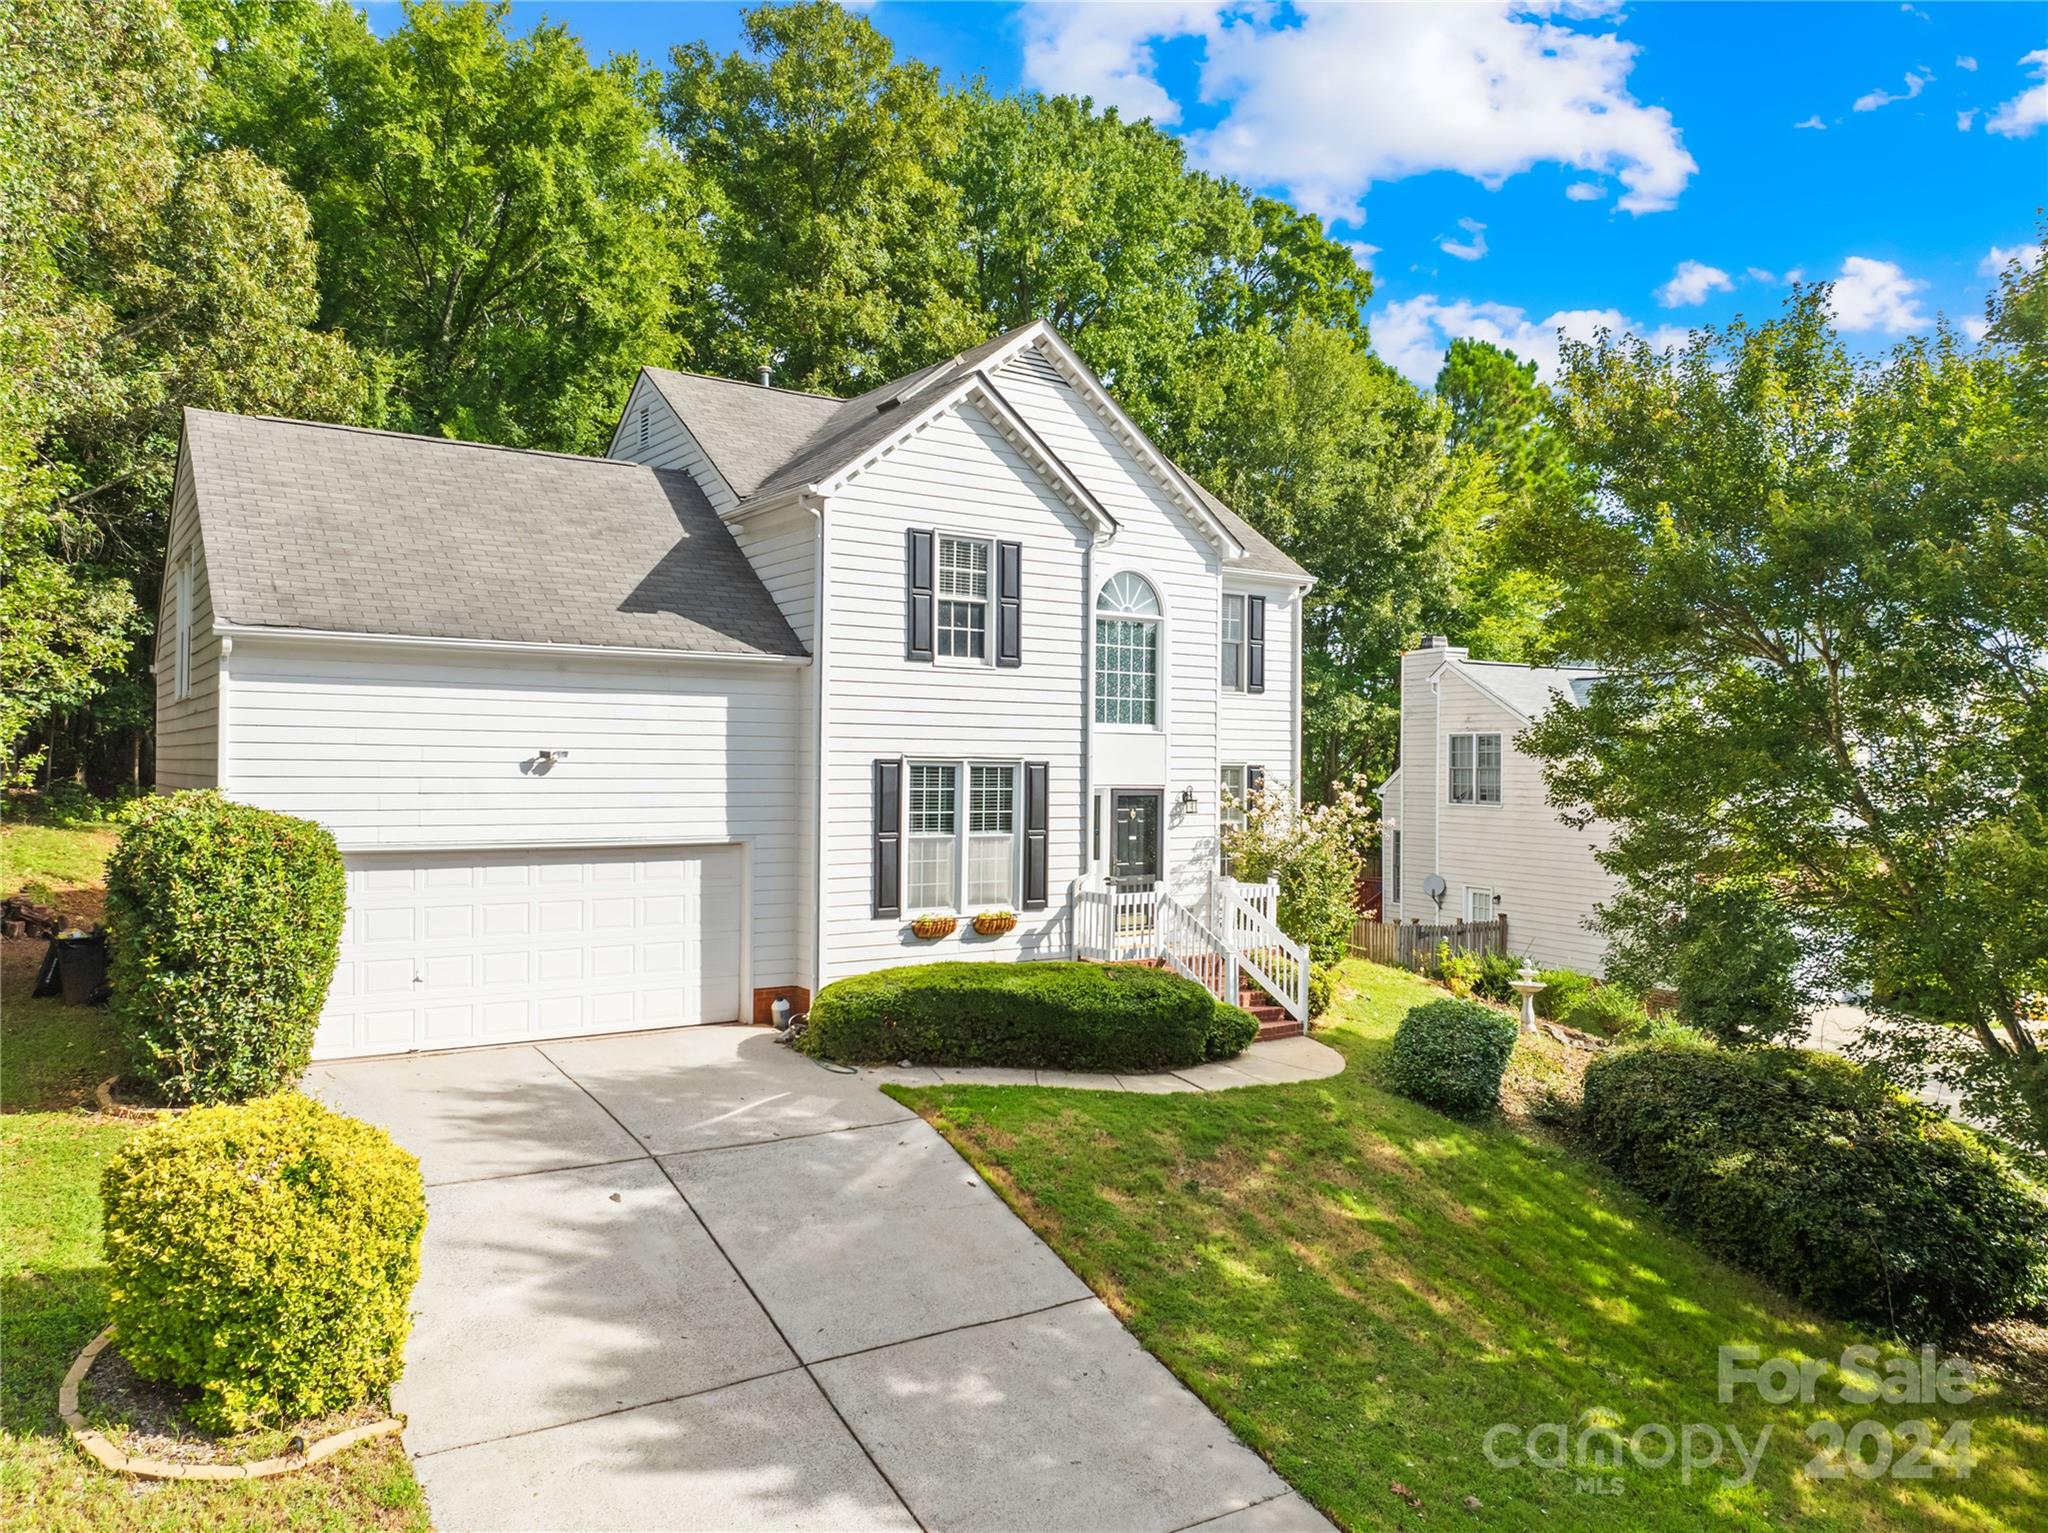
(1527, 986)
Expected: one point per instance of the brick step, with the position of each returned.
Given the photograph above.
(1286, 1027)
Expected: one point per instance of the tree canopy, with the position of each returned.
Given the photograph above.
(1820, 591)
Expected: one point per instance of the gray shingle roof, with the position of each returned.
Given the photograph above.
(1527, 688)
(355, 531)
(766, 440)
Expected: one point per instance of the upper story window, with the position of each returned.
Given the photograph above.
(1475, 769)
(1127, 652)
(1233, 643)
(963, 569)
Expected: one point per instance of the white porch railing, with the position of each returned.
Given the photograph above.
(1194, 952)
(1240, 936)
(1115, 925)
(1272, 958)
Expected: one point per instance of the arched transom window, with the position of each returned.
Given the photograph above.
(1127, 652)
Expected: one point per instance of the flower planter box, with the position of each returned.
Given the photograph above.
(993, 923)
(932, 928)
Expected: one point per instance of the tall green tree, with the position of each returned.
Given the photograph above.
(142, 269)
(1820, 590)
(1343, 463)
(839, 247)
(497, 217)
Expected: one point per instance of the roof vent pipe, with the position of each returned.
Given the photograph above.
(767, 375)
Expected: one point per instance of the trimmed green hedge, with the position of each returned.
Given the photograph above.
(264, 1255)
(1231, 1032)
(1814, 1173)
(1049, 1015)
(1451, 1055)
(223, 923)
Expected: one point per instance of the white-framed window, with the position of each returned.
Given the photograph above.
(1231, 807)
(1475, 769)
(181, 636)
(932, 821)
(991, 835)
(1478, 906)
(963, 598)
(1233, 644)
(955, 845)
(1127, 652)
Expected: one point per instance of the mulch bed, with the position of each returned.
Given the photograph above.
(147, 1420)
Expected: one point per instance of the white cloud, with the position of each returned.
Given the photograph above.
(1870, 101)
(1361, 252)
(1964, 61)
(1466, 250)
(1486, 91)
(1585, 191)
(1976, 327)
(1877, 295)
(1413, 334)
(1105, 52)
(1690, 283)
(1758, 274)
(2002, 256)
(1964, 119)
(1814, 123)
(2020, 116)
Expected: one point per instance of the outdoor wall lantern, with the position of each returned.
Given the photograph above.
(1187, 798)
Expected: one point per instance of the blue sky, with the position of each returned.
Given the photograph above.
(1507, 171)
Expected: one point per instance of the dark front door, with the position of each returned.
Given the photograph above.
(1134, 848)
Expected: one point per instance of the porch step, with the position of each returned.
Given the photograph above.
(1284, 1027)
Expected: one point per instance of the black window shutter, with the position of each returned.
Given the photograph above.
(917, 582)
(1255, 644)
(1254, 780)
(1009, 604)
(1037, 814)
(888, 838)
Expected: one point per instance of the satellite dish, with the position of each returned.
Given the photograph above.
(1435, 887)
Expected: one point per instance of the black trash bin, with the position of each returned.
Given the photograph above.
(82, 967)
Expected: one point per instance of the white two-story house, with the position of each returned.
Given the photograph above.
(666, 736)
(1467, 830)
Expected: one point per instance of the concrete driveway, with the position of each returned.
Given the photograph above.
(693, 1280)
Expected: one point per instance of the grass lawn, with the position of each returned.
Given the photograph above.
(53, 1276)
(1363, 1288)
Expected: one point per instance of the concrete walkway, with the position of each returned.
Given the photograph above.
(693, 1280)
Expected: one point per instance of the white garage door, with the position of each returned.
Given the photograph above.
(450, 949)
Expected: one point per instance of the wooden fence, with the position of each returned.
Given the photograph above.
(1408, 944)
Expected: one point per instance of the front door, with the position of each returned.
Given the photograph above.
(1134, 847)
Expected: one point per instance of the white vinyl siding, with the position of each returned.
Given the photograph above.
(1543, 870)
(1157, 536)
(958, 472)
(188, 651)
(398, 746)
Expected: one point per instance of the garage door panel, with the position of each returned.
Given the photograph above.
(447, 949)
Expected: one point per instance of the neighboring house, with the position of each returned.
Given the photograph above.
(1470, 807)
(625, 742)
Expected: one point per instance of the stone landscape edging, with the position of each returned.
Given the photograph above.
(95, 1445)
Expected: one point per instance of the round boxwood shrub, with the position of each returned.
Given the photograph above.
(1231, 1033)
(1042, 1015)
(1813, 1172)
(1452, 1054)
(223, 923)
(263, 1254)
